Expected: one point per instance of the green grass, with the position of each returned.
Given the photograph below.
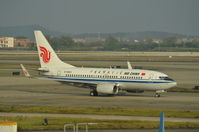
(57, 123)
(176, 49)
(100, 111)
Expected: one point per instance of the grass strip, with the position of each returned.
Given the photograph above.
(187, 90)
(100, 111)
(57, 123)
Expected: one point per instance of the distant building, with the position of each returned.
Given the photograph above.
(157, 41)
(79, 40)
(6, 42)
(10, 42)
(91, 39)
(136, 41)
(88, 40)
(22, 43)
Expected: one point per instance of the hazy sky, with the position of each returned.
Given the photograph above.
(78, 16)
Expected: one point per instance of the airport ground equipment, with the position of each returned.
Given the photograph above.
(76, 126)
(69, 125)
(8, 127)
(15, 73)
(82, 124)
(161, 128)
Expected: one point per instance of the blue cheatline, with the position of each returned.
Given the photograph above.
(101, 80)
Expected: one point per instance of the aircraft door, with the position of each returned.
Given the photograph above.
(151, 76)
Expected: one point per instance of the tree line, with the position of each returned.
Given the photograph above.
(110, 43)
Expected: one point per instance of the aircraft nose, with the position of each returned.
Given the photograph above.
(173, 84)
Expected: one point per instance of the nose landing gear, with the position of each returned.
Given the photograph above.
(158, 92)
(157, 95)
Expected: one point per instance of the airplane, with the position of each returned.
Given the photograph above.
(108, 81)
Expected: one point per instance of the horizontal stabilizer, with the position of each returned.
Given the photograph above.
(26, 73)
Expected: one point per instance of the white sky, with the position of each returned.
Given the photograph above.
(80, 16)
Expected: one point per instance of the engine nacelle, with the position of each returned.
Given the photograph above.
(107, 88)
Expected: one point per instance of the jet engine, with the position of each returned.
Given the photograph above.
(106, 88)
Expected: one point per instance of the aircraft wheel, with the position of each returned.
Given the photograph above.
(93, 93)
(157, 95)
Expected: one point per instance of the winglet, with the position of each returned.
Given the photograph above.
(129, 65)
(161, 128)
(26, 73)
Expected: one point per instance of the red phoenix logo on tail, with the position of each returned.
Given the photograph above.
(45, 55)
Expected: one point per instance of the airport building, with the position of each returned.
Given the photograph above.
(6, 42)
(19, 43)
(22, 43)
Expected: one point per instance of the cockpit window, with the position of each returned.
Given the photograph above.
(166, 78)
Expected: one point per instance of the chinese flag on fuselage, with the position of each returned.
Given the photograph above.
(143, 74)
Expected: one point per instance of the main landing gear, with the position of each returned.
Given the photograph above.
(93, 92)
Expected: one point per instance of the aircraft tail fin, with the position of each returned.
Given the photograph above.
(47, 56)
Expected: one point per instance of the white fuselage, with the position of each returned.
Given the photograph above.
(126, 79)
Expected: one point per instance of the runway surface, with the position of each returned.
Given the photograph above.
(24, 91)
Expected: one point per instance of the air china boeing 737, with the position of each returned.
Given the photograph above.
(99, 80)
